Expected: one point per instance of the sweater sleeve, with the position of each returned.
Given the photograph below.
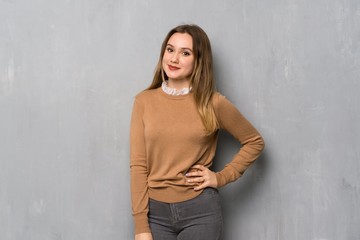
(231, 120)
(138, 170)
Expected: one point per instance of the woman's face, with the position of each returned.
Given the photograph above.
(178, 59)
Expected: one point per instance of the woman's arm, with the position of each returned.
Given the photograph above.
(231, 120)
(138, 170)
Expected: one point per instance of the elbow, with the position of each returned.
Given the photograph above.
(259, 144)
(262, 144)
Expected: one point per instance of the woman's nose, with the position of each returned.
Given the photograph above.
(175, 58)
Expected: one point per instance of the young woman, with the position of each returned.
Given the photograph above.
(173, 137)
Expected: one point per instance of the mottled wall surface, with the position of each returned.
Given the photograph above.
(69, 71)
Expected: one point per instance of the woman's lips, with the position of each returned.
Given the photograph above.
(172, 68)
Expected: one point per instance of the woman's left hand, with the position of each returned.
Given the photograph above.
(201, 177)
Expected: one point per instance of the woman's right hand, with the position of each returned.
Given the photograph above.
(143, 236)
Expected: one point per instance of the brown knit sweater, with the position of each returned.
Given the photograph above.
(167, 137)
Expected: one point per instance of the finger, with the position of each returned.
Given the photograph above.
(196, 170)
(193, 170)
(201, 186)
(196, 180)
(199, 167)
(194, 174)
(193, 184)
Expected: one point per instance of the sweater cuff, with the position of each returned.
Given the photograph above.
(227, 175)
(220, 180)
(141, 224)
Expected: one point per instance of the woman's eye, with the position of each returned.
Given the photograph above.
(186, 53)
(169, 50)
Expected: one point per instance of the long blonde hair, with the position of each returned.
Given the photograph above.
(202, 78)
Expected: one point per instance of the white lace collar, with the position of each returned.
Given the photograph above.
(173, 91)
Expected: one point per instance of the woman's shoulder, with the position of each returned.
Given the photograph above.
(218, 95)
(217, 99)
(221, 102)
(147, 94)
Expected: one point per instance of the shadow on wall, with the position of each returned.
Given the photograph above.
(246, 189)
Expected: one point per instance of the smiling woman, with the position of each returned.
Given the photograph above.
(173, 139)
(178, 60)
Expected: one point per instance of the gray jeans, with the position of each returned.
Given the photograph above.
(196, 219)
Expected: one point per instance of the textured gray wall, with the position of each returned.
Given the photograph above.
(68, 73)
